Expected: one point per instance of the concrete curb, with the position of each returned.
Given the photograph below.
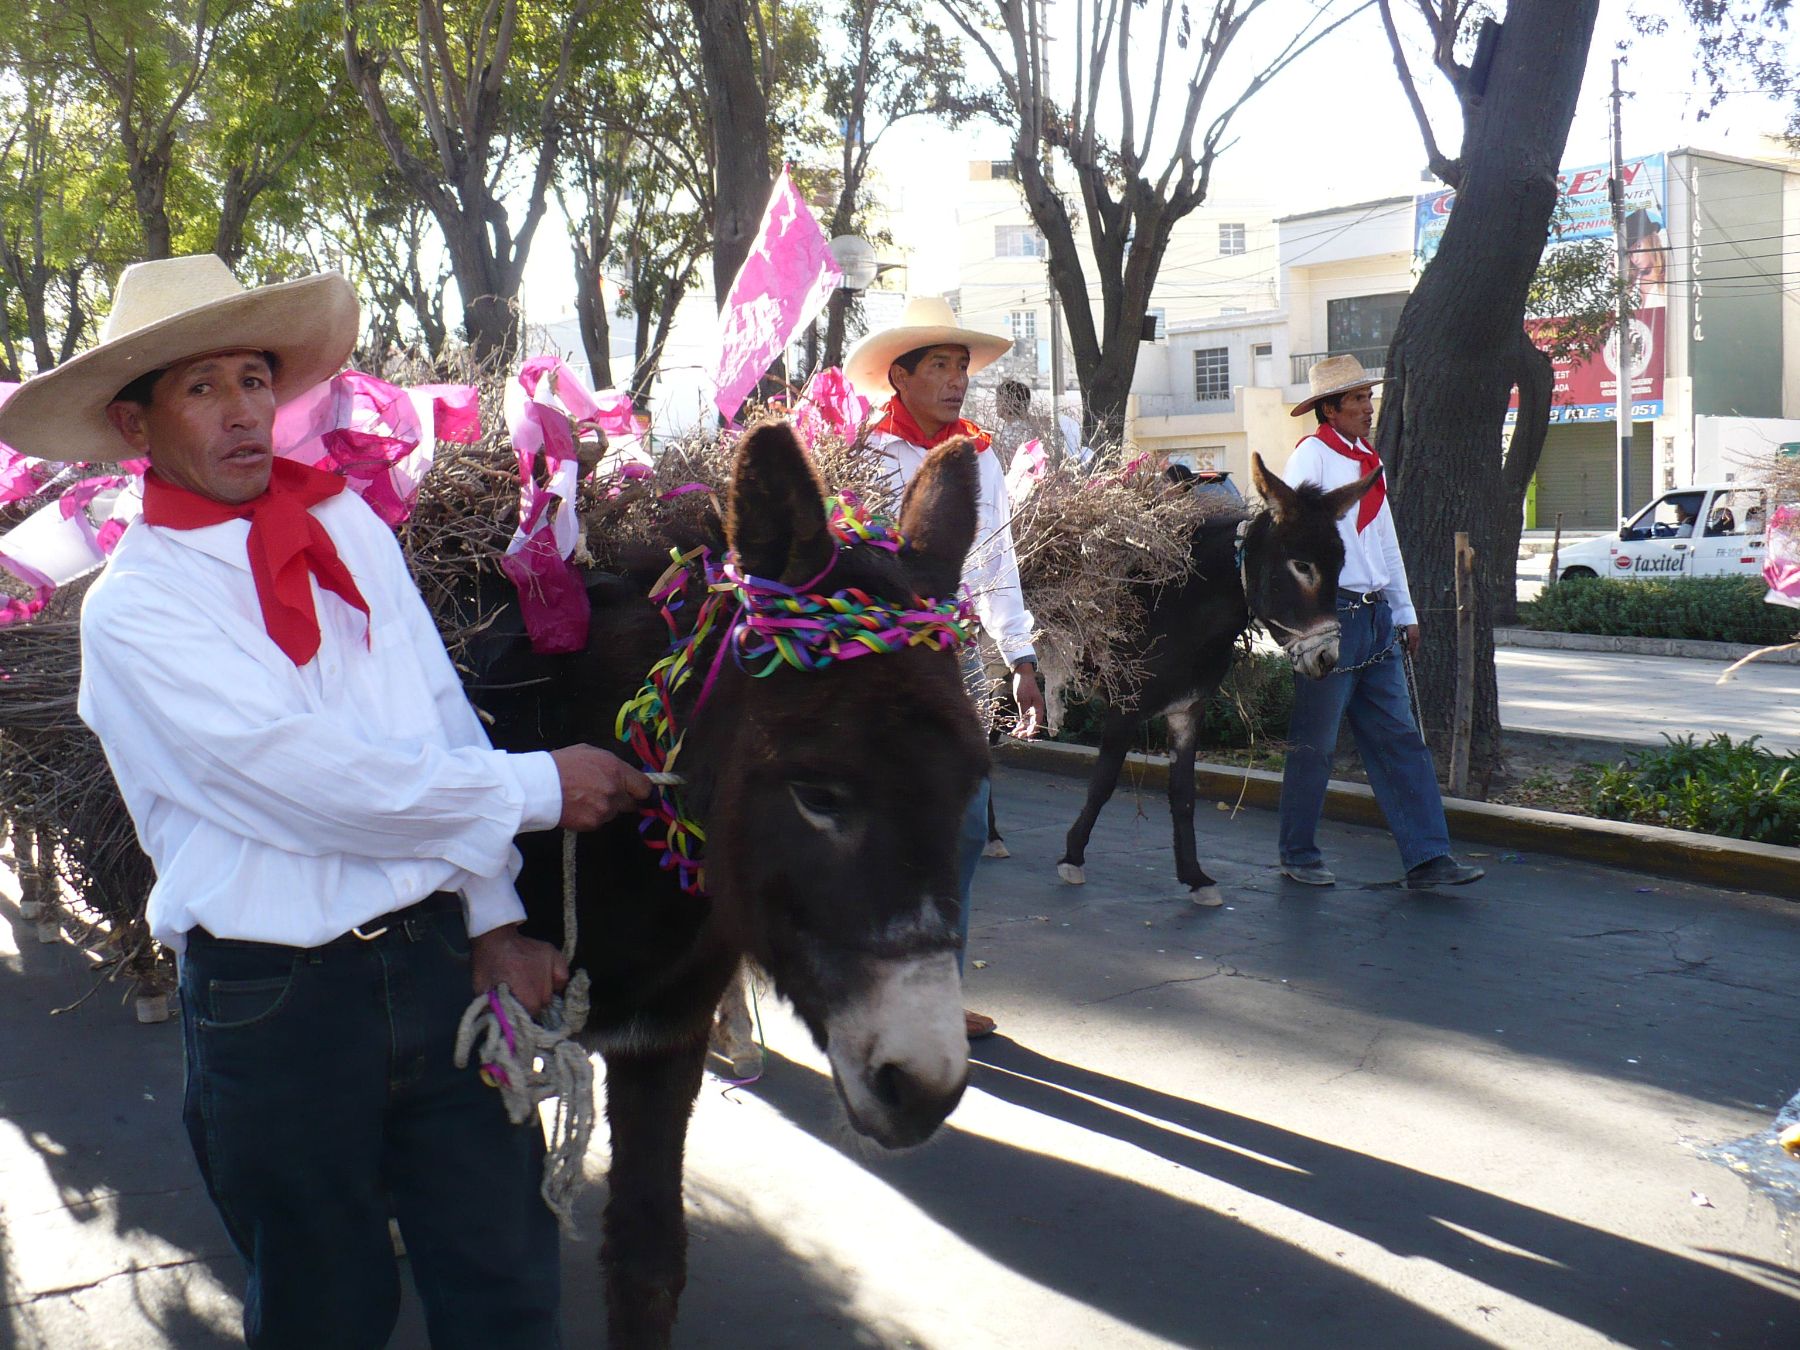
(1635, 646)
(1704, 858)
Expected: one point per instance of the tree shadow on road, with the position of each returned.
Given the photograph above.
(1173, 1269)
(1628, 1291)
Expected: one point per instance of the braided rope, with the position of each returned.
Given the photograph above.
(532, 1061)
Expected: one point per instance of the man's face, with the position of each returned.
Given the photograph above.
(934, 392)
(208, 427)
(1354, 415)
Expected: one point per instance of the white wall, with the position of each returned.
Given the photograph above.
(1738, 448)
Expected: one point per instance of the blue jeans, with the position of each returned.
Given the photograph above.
(1399, 766)
(320, 1099)
(971, 841)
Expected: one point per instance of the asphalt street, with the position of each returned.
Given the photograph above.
(1355, 1117)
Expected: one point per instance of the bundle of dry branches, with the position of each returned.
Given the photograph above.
(1092, 546)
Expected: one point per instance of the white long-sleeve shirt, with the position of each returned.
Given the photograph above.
(992, 570)
(290, 804)
(1372, 560)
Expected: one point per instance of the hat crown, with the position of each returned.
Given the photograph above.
(1337, 373)
(927, 311)
(149, 292)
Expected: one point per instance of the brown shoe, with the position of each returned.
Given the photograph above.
(978, 1024)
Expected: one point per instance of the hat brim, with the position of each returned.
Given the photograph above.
(867, 365)
(1307, 404)
(309, 325)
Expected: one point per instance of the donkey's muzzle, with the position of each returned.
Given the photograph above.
(1314, 653)
(899, 1050)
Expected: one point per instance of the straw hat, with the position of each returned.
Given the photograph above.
(1333, 376)
(168, 311)
(927, 321)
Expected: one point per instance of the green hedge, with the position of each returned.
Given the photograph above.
(1251, 707)
(1716, 787)
(1715, 609)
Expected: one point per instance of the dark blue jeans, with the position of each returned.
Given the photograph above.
(321, 1098)
(971, 842)
(1399, 766)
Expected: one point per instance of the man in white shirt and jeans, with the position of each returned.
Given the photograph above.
(1376, 614)
(331, 830)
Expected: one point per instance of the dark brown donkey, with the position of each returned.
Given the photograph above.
(1286, 577)
(830, 801)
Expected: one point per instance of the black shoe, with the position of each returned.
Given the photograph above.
(1443, 871)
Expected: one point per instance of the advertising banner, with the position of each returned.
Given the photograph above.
(1585, 388)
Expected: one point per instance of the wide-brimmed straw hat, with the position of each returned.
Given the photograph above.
(171, 310)
(1333, 376)
(927, 321)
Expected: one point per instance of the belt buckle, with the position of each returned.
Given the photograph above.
(357, 931)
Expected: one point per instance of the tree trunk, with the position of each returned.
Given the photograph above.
(1455, 352)
(740, 118)
(837, 316)
(1536, 380)
(591, 316)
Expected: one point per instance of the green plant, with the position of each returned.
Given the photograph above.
(1717, 609)
(1718, 786)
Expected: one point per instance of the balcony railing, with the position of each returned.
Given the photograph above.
(1374, 361)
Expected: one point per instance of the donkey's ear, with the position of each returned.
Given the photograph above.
(939, 516)
(1339, 500)
(775, 521)
(1283, 501)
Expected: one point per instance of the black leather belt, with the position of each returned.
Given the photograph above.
(410, 923)
(1356, 600)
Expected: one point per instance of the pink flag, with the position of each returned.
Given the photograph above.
(1028, 467)
(782, 285)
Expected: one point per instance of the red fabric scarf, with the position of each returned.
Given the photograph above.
(896, 420)
(287, 546)
(1367, 462)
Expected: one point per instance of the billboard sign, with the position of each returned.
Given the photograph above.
(1585, 388)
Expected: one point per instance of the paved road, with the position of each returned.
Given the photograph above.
(1642, 698)
(1346, 1118)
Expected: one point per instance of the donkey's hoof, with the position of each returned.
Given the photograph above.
(996, 848)
(1072, 874)
(1207, 897)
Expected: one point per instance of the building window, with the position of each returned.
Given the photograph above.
(1263, 349)
(1231, 239)
(1212, 374)
(1363, 325)
(1002, 168)
(1022, 323)
(1017, 241)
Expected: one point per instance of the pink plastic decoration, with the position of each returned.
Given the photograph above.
(1781, 567)
(830, 404)
(782, 285)
(1028, 467)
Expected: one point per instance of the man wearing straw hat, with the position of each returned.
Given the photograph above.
(1377, 619)
(331, 830)
(922, 367)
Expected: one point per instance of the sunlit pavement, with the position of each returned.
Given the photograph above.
(1355, 1117)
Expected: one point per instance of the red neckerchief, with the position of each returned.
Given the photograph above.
(287, 546)
(1368, 461)
(896, 420)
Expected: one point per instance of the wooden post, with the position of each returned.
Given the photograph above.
(1462, 725)
(1555, 553)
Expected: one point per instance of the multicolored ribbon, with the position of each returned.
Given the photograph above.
(771, 625)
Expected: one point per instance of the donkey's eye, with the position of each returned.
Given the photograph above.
(821, 805)
(1305, 571)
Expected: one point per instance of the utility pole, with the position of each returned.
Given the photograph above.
(1622, 320)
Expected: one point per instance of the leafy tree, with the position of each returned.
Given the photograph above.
(900, 65)
(1099, 121)
(466, 99)
(1460, 346)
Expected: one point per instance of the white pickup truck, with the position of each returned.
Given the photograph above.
(1717, 530)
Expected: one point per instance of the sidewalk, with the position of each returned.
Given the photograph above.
(1643, 698)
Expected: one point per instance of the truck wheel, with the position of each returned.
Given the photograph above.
(1578, 573)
